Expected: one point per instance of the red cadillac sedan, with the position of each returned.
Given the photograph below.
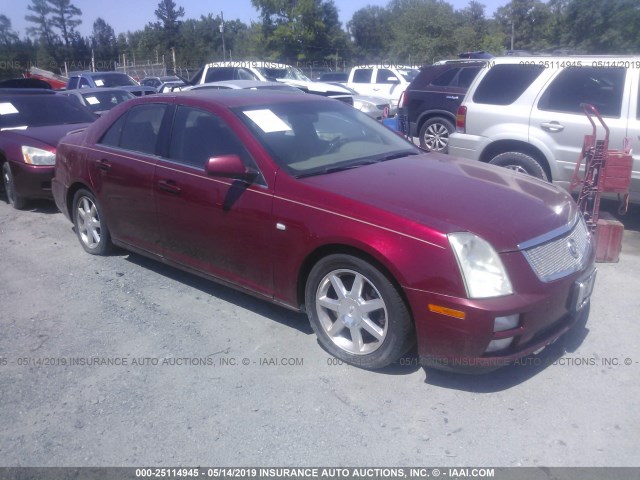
(308, 203)
(32, 121)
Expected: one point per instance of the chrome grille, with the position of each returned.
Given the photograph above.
(561, 256)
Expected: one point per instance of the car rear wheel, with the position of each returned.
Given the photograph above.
(89, 223)
(357, 314)
(520, 162)
(15, 200)
(434, 134)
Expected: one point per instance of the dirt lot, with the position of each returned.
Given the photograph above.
(121, 361)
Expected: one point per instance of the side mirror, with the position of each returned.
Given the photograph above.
(392, 80)
(229, 166)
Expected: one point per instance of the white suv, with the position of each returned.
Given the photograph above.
(524, 113)
(386, 81)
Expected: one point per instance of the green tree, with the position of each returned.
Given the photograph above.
(302, 30)
(103, 43)
(530, 23)
(63, 17)
(369, 28)
(168, 15)
(7, 36)
(42, 28)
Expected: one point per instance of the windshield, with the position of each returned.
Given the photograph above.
(409, 75)
(287, 73)
(113, 80)
(40, 110)
(101, 101)
(318, 137)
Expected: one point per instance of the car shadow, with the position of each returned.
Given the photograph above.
(253, 304)
(38, 206)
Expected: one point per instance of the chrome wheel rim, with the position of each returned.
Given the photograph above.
(88, 223)
(517, 168)
(436, 137)
(352, 312)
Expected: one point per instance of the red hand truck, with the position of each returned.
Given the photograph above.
(605, 171)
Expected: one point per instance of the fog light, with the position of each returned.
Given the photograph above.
(500, 325)
(506, 323)
(495, 345)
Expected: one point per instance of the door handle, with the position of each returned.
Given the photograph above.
(169, 186)
(552, 127)
(103, 165)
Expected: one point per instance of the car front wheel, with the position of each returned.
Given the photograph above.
(357, 313)
(520, 162)
(15, 200)
(89, 224)
(434, 134)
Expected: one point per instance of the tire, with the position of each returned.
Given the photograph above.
(371, 337)
(520, 162)
(90, 226)
(434, 134)
(15, 200)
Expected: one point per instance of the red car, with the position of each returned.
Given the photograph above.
(31, 124)
(308, 203)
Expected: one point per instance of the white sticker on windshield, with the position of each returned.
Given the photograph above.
(100, 83)
(92, 100)
(7, 108)
(268, 121)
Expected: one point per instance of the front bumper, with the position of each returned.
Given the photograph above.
(32, 181)
(546, 312)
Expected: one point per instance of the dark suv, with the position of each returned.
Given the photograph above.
(433, 97)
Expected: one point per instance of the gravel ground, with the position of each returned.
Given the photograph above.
(202, 375)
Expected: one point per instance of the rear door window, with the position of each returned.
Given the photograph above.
(138, 130)
(600, 87)
(503, 84)
(386, 76)
(362, 75)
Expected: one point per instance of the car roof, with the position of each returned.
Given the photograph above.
(10, 92)
(239, 97)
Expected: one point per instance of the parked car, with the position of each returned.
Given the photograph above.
(31, 123)
(525, 113)
(99, 100)
(311, 204)
(339, 77)
(157, 82)
(268, 72)
(387, 81)
(25, 83)
(244, 84)
(376, 107)
(107, 80)
(432, 99)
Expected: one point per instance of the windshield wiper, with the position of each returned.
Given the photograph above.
(337, 168)
(393, 156)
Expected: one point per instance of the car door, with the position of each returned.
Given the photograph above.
(362, 81)
(216, 225)
(386, 82)
(558, 121)
(121, 167)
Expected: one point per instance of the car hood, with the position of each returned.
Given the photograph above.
(316, 87)
(50, 134)
(448, 194)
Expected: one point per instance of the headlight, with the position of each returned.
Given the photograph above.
(37, 156)
(366, 107)
(482, 271)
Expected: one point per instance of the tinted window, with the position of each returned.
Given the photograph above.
(219, 74)
(84, 83)
(112, 80)
(102, 101)
(41, 110)
(362, 75)
(446, 78)
(466, 76)
(112, 136)
(600, 87)
(141, 128)
(386, 76)
(199, 135)
(503, 84)
(73, 83)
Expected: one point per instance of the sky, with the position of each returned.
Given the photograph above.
(125, 15)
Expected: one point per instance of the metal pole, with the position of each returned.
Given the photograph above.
(224, 53)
